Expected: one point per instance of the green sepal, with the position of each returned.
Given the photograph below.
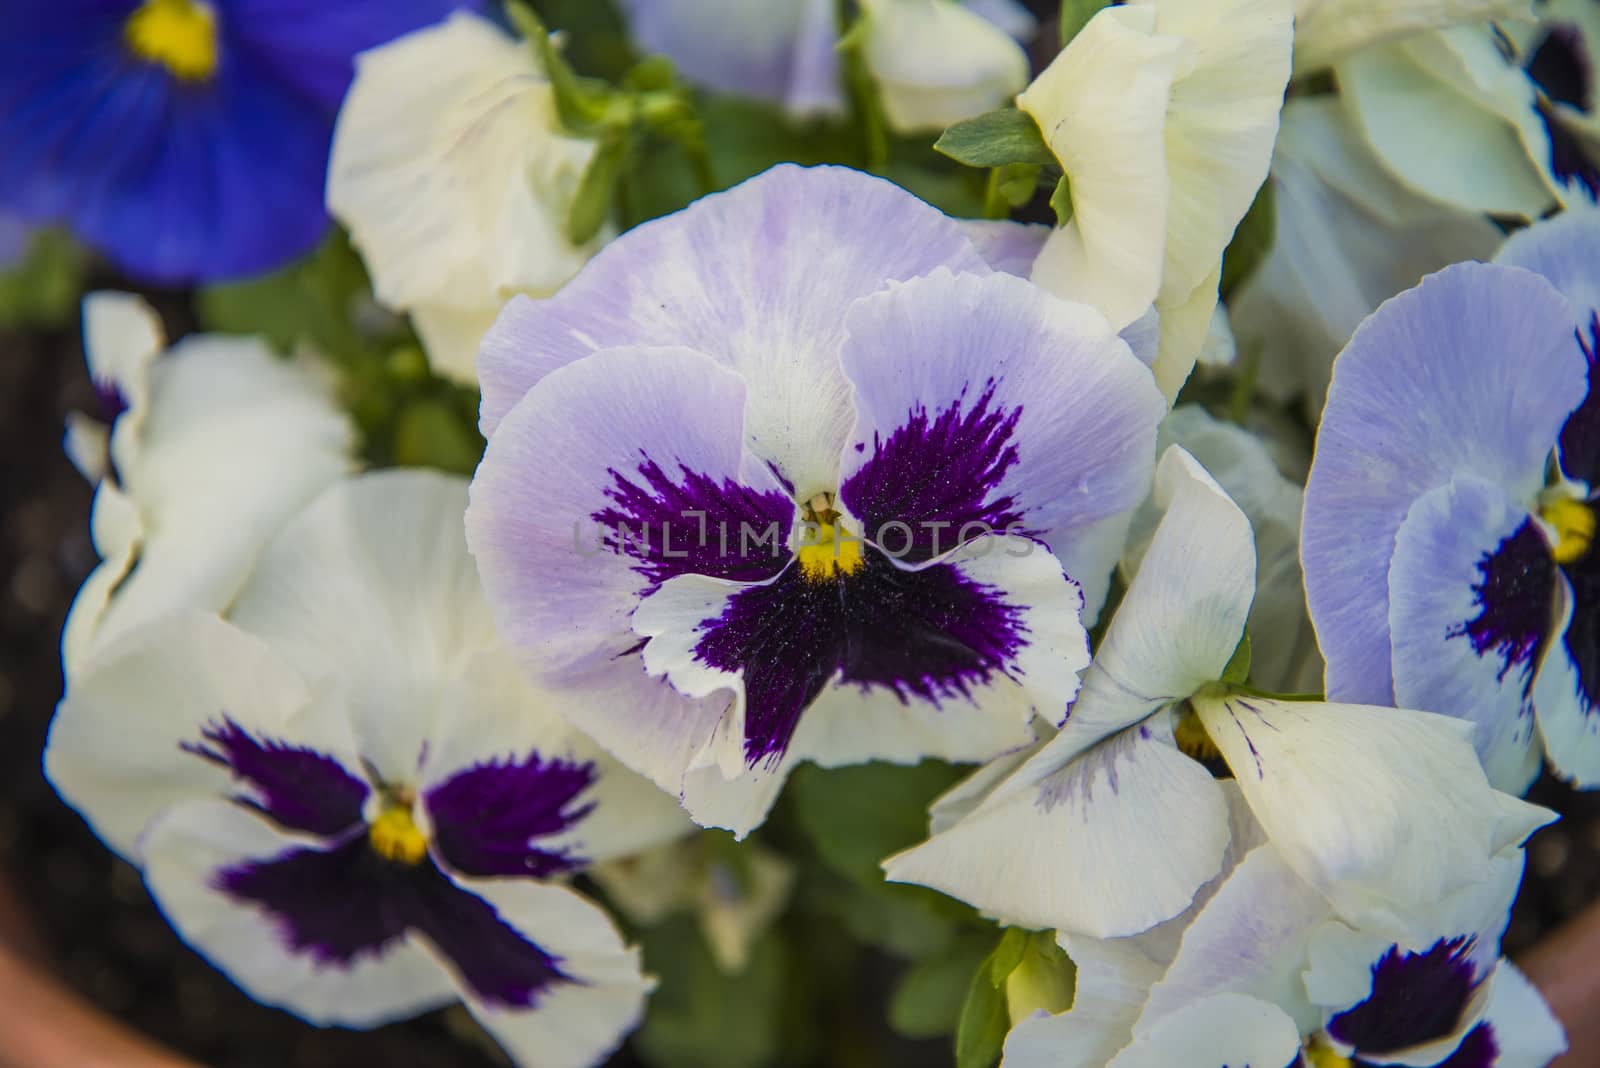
(1075, 15)
(597, 191)
(1238, 669)
(1061, 201)
(1251, 243)
(981, 1031)
(995, 139)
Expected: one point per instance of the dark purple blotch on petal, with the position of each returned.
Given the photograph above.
(936, 475)
(110, 400)
(300, 789)
(348, 904)
(1582, 640)
(1478, 1050)
(1559, 64)
(1516, 602)
(933, 634)
(1571, 161)
(486, 817)
(1580, 436)
(1416, 998)
(692, 524)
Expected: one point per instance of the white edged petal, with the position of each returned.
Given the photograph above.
(122, 336)
(188, 847)
(574, 1024)
(937, 62)
(116, 748)
(1439, 589)
(1115, 842)
(1251, 938)
(1382, 810)
(1567, 719)
(1526, 1033)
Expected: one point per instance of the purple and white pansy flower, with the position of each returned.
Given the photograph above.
(1114, 825)
(793, 474)
(347, 796)
(1450, 509)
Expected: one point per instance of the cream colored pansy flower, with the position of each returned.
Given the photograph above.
(453, 174)
(1163, 115)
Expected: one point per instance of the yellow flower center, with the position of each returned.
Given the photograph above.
(1573, 521)
(827, 554)
(1320, 1055)
(394, 835)
(181, 35)
(1191, 736)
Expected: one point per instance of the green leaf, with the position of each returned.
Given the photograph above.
(42, 289)
(927, 1000)
(995, 139)
(1238, 669)
(857, 816)
(981, 1032)
(598, 190)
(1061, 201)
(1251, 241)
(700, 1017)
(1075, 15)
(430, 433)
(1007, 955)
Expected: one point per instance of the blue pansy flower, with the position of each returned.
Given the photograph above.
(1449, 526)
(794, 474)
(185, 139)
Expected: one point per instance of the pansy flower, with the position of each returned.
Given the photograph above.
(347, 797)
(791, 474)
(1115, 823)
(200, 453)
(1162, 114)
(1327, 30)
(455, 177)
(185, 139)
(1509, 111)
(1449, 517)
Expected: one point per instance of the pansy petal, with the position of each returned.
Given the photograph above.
(1250, 938)
(213, 867)
(510, 786)
(1113, 978)
(1472, 603)
(1113, 146)
(1417, 821)
(629, 449)
(122, 336)
(1006, 245)
(1224, 1029)
(1565, 690)
(568, 1024)
(1020, 410)
(1442, 119)
(937, 62)
(758, 278)
(1327, 30)
(371, 589)
(1563, 250)
(192, 707)
(1526, 1033)
(1110, 845)
(236, 442)
(1422, 392)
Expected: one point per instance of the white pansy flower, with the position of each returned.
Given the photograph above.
(1162, 114)
(1112, 826)
(937, 62)
(210, 447)
(347, 796)
(1349, 236)
(452, 171)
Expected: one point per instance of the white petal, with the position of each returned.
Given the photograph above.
(1443, 114)
(1113, 978)
(572, 1025)
(122, 336)
(451, 335)
(1115, 842)
(186, 848)
(1567, 722)
(1225, 1029)
(236, 441)
(1526, 1032)
(115, 750)
(937, 63)
(1251, 938)
(1102, 106)
(1385, 811)
(452, 172)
